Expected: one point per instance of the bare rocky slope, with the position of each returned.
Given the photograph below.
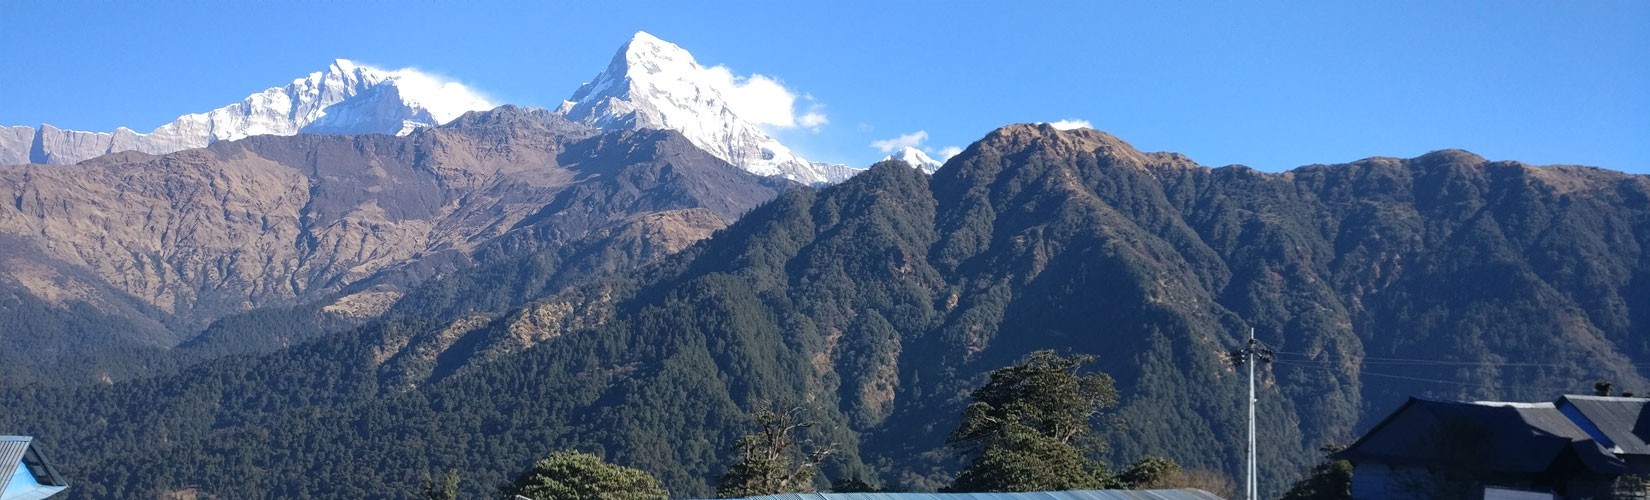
(175, 242)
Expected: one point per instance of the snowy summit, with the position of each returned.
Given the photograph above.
(916, 158)
(346, 98)
(652, 83)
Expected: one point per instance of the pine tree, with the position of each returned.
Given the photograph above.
(571, 475)
(1031, 426)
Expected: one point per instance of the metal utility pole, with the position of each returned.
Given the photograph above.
(1253, 353)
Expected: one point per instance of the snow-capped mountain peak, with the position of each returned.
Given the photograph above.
(649, 54)
(341, 65)
(345, 98)
(916, 158)
(652, 83)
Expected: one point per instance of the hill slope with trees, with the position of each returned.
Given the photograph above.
(881, 303)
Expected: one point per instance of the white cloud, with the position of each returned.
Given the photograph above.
(947, 152)
(758, 99)
(1071, 123)
(445, 98)
(764, 101)
(815, 117)
(813, 120)
(912, 140)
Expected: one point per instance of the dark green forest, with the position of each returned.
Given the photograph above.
(881, 303)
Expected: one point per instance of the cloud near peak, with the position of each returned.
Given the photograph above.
(915, 140)
(910, 140)
(765, 101)
(1070, 123)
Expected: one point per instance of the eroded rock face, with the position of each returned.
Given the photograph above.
(266, 220)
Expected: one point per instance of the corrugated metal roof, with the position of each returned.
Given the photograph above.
(1179, 494)
(1521, 438)
(11, 456)
(1622, 420)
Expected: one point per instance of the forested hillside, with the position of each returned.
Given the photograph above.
(880, 303)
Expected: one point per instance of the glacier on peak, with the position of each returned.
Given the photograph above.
(652, 83)
(346, 98)
(916, 158)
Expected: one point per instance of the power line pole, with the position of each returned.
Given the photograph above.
(1253, 353)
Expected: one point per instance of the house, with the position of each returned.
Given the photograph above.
(1576, 447)
(25, 474)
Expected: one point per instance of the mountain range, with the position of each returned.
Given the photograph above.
(650, 84)
(346, 98)
(339, 314)
(381, 186)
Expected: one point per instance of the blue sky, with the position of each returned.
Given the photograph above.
(1272, 85)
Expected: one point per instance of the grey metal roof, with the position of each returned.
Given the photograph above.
(1500, 437)
(1179, 494)
(11, 456)
(1623, 421)
(16, 452)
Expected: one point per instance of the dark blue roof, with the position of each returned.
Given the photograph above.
(1499, 437)
(1180, 494)
(1622, 421)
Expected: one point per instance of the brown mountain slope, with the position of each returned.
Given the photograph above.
(200, 234)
